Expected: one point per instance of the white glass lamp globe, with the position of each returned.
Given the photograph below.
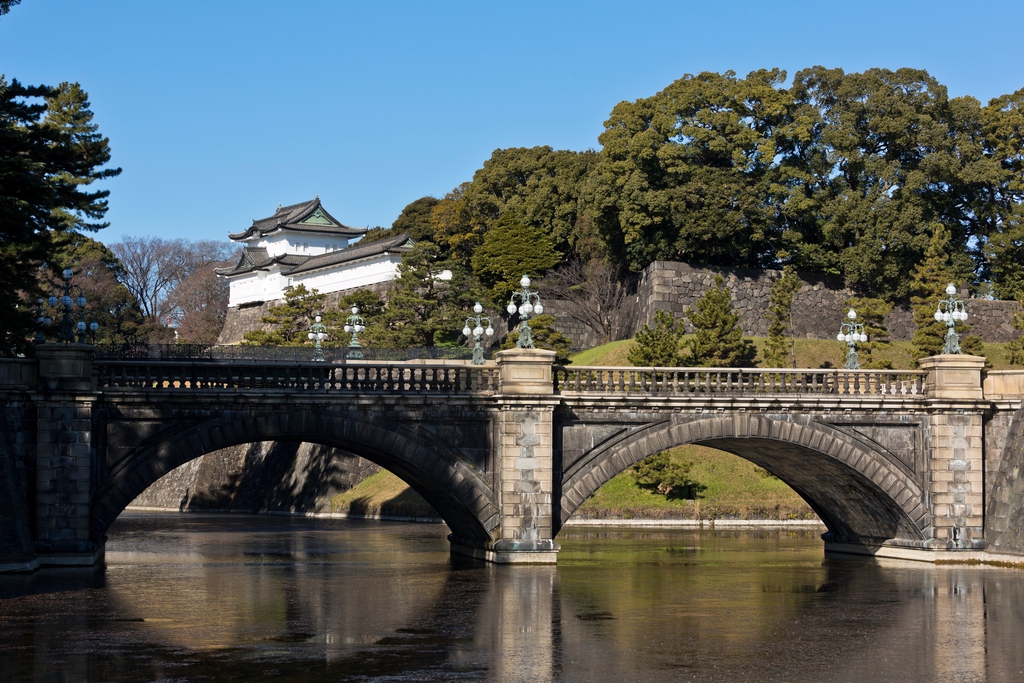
(355, 310)
(47, 320)
(840, 337)
(318, 318)
(466, 331)
(950, 289)
(527, 308)
(489, 331)
(80, 326)
(938, 316)
(538, 309)
(348, 328)
(67, 274)
(852, 315)
(310, 336)
(477, 331)
(963, 316)
(93, 326)
(511, 308)
(525, 282)
(478, 308)
(66, 300)
(849, 338)
(863, 337)
(80, 301)
(52, 301)
(322, 335)
(360, 328)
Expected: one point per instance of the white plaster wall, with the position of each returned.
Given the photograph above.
(263, 286)
(286, 242)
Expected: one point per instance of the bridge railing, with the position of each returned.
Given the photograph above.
(738, 381)
(385, 378)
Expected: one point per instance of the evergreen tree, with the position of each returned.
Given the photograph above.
(667, 476)
(658, 347)
(50, 152)
(291, 320)
(871, 313)
(510, 250)
(928, 284)
(371, 308)
(545, 336)
(778, 350)
(423, 309)
(717, 339)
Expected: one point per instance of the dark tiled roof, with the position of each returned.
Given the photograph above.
(291, 217)
(396, 244)
(256, 258)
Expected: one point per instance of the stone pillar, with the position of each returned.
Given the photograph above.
(955, 485)
(525, 465)
(64, 401)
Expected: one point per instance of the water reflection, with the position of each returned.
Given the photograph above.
(193, 598)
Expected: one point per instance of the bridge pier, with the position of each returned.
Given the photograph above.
(64, 401)
(524, 461)
(956, 458)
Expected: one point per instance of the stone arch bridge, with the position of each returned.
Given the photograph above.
(893, 462)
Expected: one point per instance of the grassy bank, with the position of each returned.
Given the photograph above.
(810, 353)
(731, 488)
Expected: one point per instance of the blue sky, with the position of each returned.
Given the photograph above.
(218, 111)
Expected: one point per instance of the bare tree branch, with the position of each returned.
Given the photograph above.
(597, 294)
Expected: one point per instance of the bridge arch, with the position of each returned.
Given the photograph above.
(445, 479)
(857, 492)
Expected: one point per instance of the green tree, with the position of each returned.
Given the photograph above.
(422, 308)
(290, 320)
(658, 346)
(667, 476)
(50, 152)
(541, 186)
(414, 219)
(545, 336)
(371, 308)
(928, 285)
(779, 350)
(1016, 346)
(686, 174)
(6, 5)
(510, 250)
(717, 339)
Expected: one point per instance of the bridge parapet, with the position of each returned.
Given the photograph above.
(393, 377)
(883, 384)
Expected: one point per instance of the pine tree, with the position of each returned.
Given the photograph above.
(1016, 347)
(291, 320)
(778, 351)
(717, 339)
(930, 278)
(658, 347)
(871, 313)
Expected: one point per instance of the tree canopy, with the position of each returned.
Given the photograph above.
(50, 152)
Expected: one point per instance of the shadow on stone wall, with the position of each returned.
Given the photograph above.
(283, 476)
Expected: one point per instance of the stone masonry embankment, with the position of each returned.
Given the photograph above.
(260, 477)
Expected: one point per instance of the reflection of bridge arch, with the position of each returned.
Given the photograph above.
(444, 478)
(858, 492)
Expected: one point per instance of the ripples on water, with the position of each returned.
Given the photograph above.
(246, 598)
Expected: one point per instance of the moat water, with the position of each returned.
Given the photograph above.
(264, 598)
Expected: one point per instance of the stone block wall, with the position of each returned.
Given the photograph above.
(258, 477)
(1004, 510)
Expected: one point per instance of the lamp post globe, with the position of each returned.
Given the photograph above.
(852, 333)
(474, 327)
(529, 306)
(951, 311)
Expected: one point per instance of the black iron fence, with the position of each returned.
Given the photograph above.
(288, 354)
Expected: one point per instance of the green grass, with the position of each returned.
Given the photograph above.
(732, 488)
(382, 494)
(810, 353)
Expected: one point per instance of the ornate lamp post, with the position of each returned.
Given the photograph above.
(478, 332)
(951, 311)
(529, 305)
(355, 324)
(851, 332)
(317, 333)
(72, 301)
